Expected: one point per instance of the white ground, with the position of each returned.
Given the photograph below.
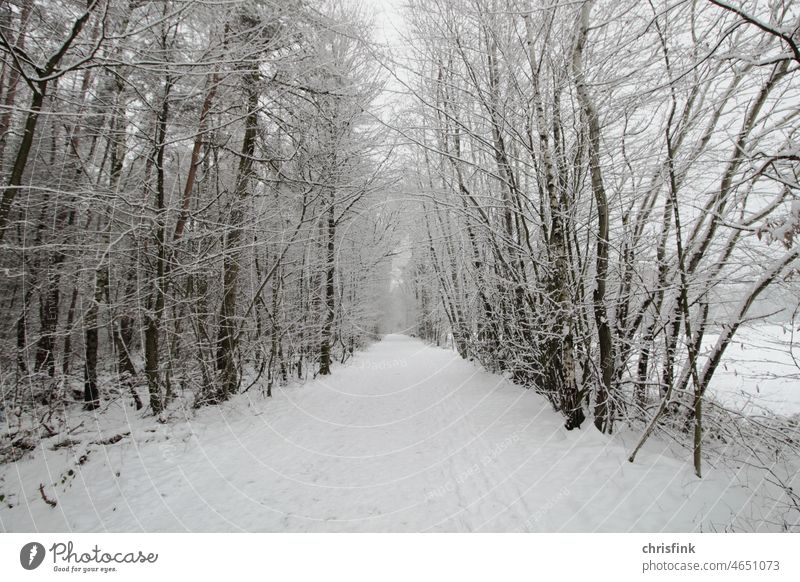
(404, 437)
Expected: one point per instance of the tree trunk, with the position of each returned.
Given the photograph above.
(91, 392)
(603, 414)
(21, 159)
(228, 333)
(330, 293)
(157, 300)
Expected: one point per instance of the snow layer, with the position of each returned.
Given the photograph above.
(404, 437)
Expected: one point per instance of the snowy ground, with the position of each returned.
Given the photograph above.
(404, 437)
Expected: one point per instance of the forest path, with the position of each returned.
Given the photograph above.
(403, 437)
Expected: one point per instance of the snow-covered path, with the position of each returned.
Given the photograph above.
(404, 437)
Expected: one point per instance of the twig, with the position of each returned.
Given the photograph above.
(49, 502)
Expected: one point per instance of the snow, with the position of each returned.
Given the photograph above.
(760, 370)
(404, 437)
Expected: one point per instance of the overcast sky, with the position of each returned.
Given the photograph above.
(388, 19)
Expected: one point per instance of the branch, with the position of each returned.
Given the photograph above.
(787, 38)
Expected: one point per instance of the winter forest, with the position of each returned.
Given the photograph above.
(425, 265)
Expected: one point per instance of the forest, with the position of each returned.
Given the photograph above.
(597, 200)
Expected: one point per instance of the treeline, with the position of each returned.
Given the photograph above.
(603, 184)
(190, 198)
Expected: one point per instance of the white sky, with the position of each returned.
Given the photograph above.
(388, 19)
